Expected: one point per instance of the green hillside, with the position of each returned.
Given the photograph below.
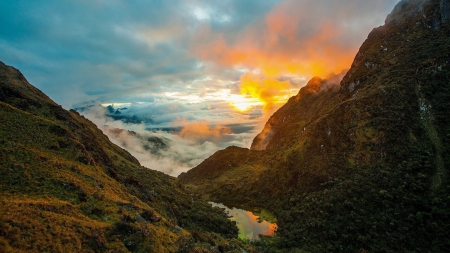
(64, 187)
(361, 166)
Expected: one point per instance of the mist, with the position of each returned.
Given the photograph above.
(178, 147)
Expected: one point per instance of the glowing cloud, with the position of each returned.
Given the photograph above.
(201, 131)
(242, 103)
(291, 39)
(268, 90)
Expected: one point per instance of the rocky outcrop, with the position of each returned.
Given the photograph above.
(314, 85)
(405, 9)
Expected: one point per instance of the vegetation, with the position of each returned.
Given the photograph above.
(66, 188)
(360, 167)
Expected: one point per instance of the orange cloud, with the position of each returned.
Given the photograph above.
(201, 131)
(266, 89)
(291, 40)
(316, 55)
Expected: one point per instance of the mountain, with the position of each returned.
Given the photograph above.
(361, 166)
(66, 188)
(115, 113)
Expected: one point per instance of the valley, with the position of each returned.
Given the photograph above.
(360, 164)
(67, 188)
(356, 161)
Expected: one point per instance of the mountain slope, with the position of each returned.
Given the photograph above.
(364, 165)
(66, 188)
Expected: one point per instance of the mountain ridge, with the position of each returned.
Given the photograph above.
(361, 166)
(66, 188)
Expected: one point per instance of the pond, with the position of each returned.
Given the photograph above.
(250, 225)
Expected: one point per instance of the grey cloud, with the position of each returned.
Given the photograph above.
(298, 31)
(74, 50)
(101, 47)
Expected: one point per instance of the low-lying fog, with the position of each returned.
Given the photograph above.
(174, 138)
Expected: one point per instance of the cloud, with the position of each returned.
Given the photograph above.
(82, 52)
(269, 90)
(305, 38)
(196, 60)
(99, 49)
(200, 131)
(173, 146)
(108, 49)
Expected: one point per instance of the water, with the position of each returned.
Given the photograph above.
(250, 225)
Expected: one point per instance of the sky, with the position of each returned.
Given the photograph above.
(214, 69)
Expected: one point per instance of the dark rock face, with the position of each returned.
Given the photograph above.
(445, 11)
(405, 9)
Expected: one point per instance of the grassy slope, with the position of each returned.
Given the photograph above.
(363, 166)
(65, 187)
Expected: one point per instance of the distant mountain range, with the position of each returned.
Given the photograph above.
(362, 166)
(117, 114)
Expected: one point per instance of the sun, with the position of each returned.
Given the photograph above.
(242, 107)
(242, 103)
(239, 102)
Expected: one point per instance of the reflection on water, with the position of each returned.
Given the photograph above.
(250, 227)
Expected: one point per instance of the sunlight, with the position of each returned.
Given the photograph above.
(267, 90)
(242, 107)
(242, 103)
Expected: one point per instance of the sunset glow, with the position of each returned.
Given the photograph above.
(241, 103)
(236, 126)
(266, 89)
(184, 68)
(278, 46)
(202, 130)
